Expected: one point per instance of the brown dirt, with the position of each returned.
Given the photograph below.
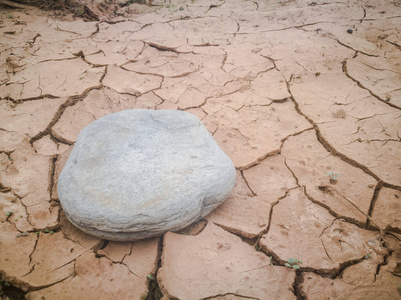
(303, 96)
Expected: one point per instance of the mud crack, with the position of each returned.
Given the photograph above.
(345, 70)
(71, 101)
(329, 148)
(154, 290)
(329, 273)
(229, 294)
(258, 246)
(297, 286)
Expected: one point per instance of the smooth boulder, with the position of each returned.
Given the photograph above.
(139, 173)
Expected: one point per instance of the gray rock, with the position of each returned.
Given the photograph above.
(139, 173)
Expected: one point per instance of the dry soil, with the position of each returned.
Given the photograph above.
(304, 96)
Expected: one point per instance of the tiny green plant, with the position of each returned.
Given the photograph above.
(46, 230)
(367, 256)
(17, 218)
(271, 260)
(25, 233)
(9, 213)
(4, 283)
(293, 263)
(150, 277)
(80, 10)
(333, 177)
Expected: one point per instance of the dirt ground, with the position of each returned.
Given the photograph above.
(304, 96)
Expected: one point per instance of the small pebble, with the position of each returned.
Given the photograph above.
(350, 31)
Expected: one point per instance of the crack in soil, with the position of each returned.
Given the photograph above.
(245, 237)
(385, 262)
(266, 230)
(214, 6)
(230, 294)
(52, 169)
(271, 153)
(247, 184)
(155, 288)
(145, 73)
(332, 212)
(30, 256)
(81, 55)
(100, 245)
(329, 148)
(394, 44)
(326, 189)
(59, 139)
(345, 71)
(35, 288)
(71, 101)
(154, 291)
(356, 51)
(163, 48)
(373, 203)
(297, 286)
(57, 59)
(26, 210)
(18, 101)
(329, 273)
(117, 262)
(325, 250)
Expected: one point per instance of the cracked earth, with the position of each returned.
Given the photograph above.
(303, 96)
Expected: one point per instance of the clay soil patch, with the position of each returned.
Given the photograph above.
(303, 96)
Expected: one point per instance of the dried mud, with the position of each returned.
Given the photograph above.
(303, 96)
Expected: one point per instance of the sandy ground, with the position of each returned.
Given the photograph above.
(303, 96)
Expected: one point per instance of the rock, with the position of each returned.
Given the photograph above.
(139, 173)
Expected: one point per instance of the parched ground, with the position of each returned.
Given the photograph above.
(303, 96)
